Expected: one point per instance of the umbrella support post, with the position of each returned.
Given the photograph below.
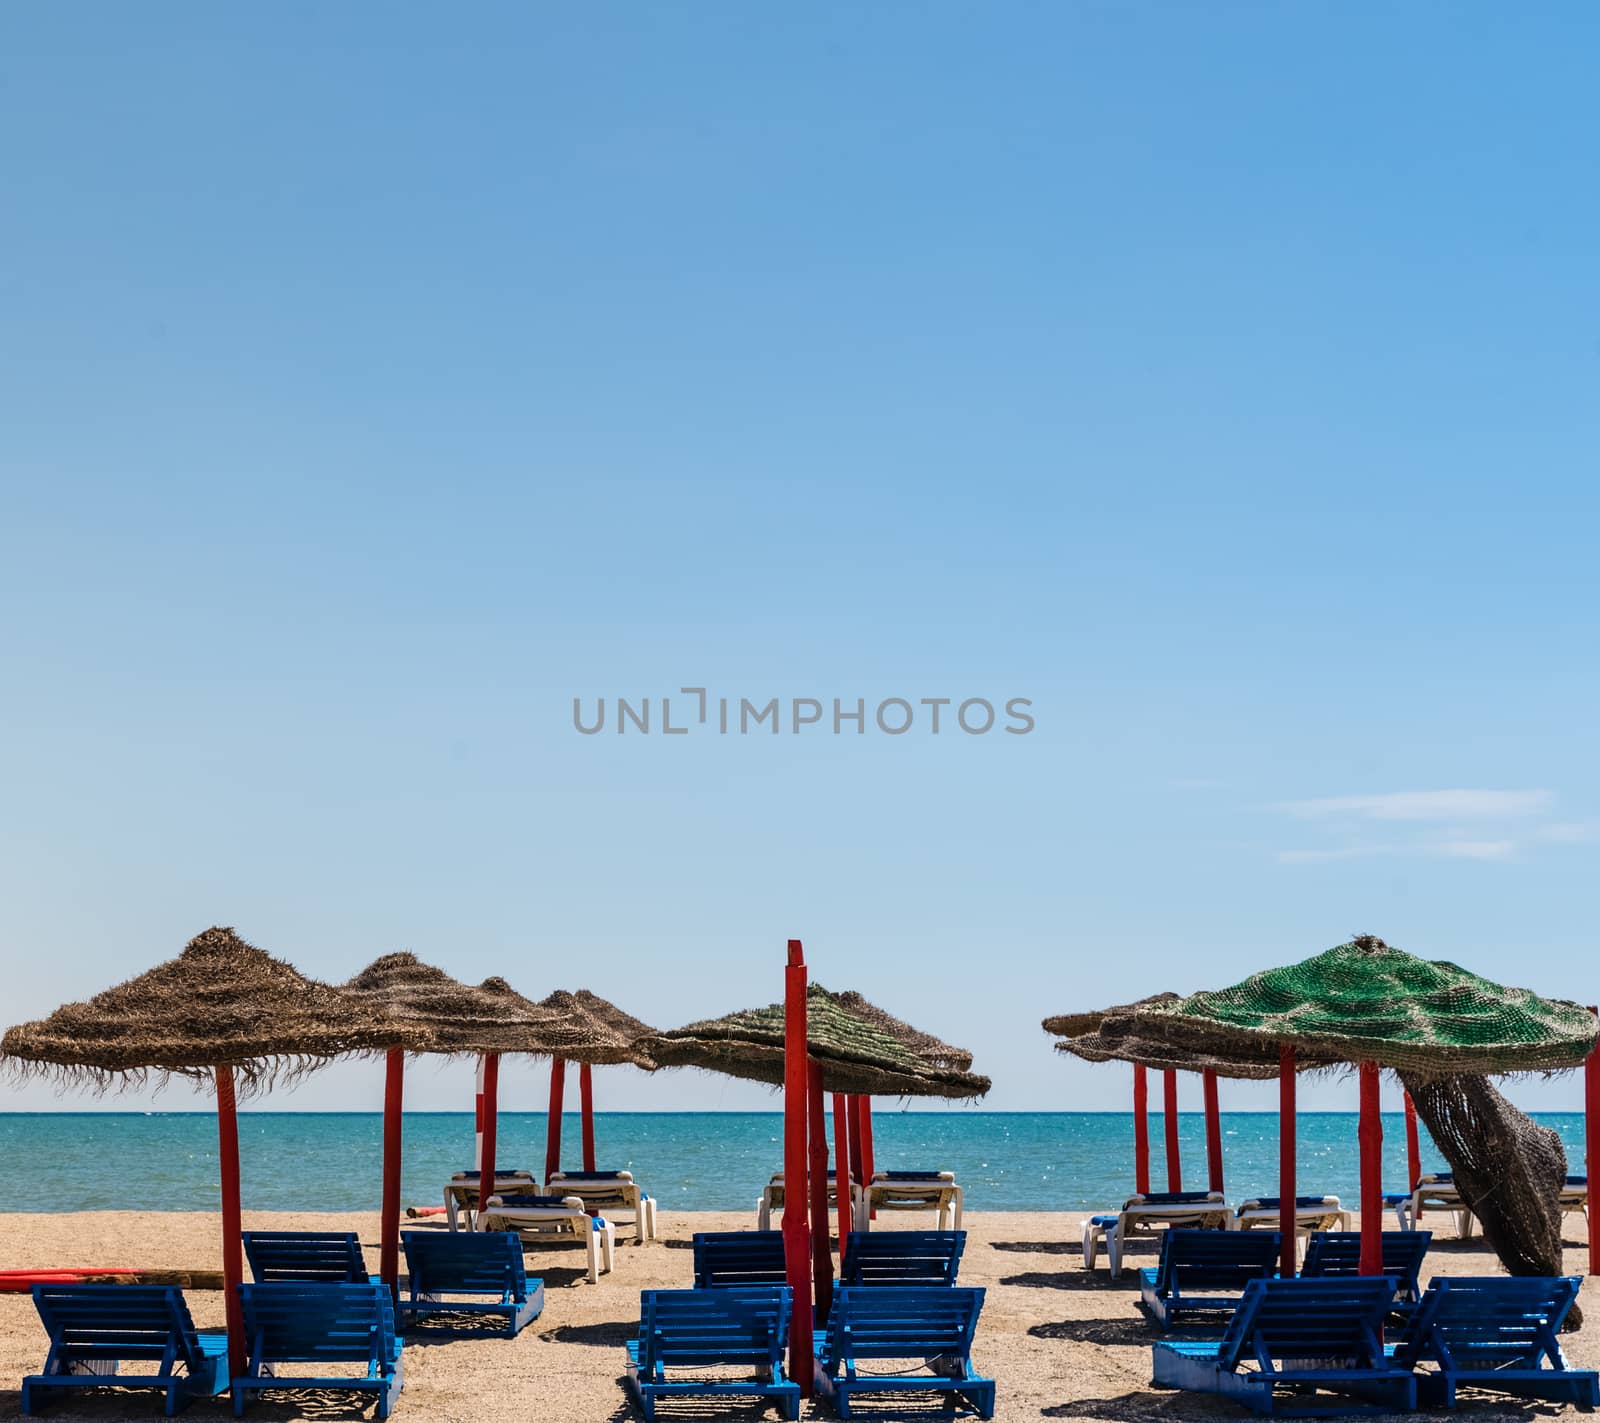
(1288, 1258)
(865, 1166)
(1591, 1143)
(796, 1234)
(232, 1244)
(394, 1076)
(1413, 1146)
(841, 1164)
(1169, 1120)
(1141, 1130)
(552, 1128)
(1371, 1144)
(491, 1124)
(586, 1102)
(1208, 1084)
(821, 1255)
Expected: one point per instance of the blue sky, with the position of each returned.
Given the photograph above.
(1220, 378)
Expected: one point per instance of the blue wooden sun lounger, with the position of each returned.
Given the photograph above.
(94, 1329)
(902, 1257)
(1195, 1264)
(931, 1324)
(331, 1257)
(1497, 1332)
(1299, 1335)
(440, 1264)
(319, 1324)
(738, 1257)
(745, 1328)
(1334, 1253)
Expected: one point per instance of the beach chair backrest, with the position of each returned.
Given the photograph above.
(309, 1323)
(520, 1198)
(1309, 1319)
(566, 1176)
(1489, 1321)
(1338, 1252)
(501, 1173)
(465, 1262)
(1216, 1259)
(332, 1257)
(918, 1176)
(700, 1328)
(902, 1321)
(723, 1259)
(902, 1257)
(1169, 1198)
(87, 1323)
(1272, 1203)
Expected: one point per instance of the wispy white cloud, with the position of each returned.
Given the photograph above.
(1425, 805)
(1569, 832)
(1453, 849)
(1475, 849)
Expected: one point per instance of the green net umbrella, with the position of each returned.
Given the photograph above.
(1371, 1005)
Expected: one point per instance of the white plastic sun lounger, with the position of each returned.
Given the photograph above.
(771, 1198)
(1150, 1214)
(613, 1194)
(1438, 1192)
(1310, 1213)
(554, 1220)
(461, 1192)
(910, 1191)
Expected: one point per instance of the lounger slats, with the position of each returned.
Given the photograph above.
(1338, 1252)
(1496, 1332)
(101, 1325)
(319, 1324)
(470, 1264)
(1193, 1261)
(932, 1325)
(745, 1328)
(903, 1257)
(325, 1257)
(738, 1257)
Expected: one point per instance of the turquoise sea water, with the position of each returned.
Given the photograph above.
(688, 1160)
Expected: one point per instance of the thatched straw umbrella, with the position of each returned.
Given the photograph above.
(450, 1017)
(609, 1036)
(1113, 1035)
(222, 1010)
(1368, 1004)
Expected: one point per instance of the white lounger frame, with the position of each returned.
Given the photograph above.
(610, 1196)
(555, 1225)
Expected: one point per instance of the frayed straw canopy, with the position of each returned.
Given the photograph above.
(606, 1033)
(924, 1045)
(1366, 1002)
(220, 1003)
(855, 1055)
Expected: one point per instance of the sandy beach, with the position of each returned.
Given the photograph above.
(1061, 1342)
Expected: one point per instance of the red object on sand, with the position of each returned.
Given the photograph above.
(552, 1130)
(1286, 1161)
(1208, 1084)
(864, 1162)
(1141, 1130)
(796, 1233)
(232, 1244)
(1370, 1135)
(1169, 1118)
(389, 1228)
(586, 1104)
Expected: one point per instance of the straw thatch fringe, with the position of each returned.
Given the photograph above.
(601, 1032)
(221, 1002)
(924, 1045)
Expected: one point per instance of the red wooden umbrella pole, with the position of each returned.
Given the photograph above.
(552, 1129)
(1413, 1147)
(796, 1235)
(586, 1102)
(232, 1244)
(1286, 1172)
(867, 1165)
(821, 1255)
(1141, 1130)
(1591, 1143)
(841, 1169)
(1208, 1084)
(847, 1220)
(1371, 1141)
(491, 1124)
(477, 1117)
(394, 1076)
(1169, 1116)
